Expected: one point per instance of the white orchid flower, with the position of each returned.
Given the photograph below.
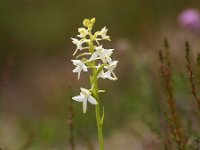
(79, 67)
(85, 95)
(103, 33)
(91, 54)
(78, 44)
(103, 54)
(83, 32)
(109, 74)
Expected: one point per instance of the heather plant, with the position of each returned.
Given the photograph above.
(191, 74)
(172, 115)
(97, 59)
(183, 122)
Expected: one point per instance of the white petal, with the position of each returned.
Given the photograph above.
(79, 73)
(84, 105)
(102, 56)
(74, 40)
(114, 63)
(85, 91)
(98, 48)
(109, 52)
(114, 76)
(78, 98)
(107, 75)
(108, 59)
(75, 52)
(92, 100)
(77, 69)
(94, 55)
(76, 62)
(84, 68)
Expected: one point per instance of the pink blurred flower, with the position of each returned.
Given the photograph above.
(190, 19)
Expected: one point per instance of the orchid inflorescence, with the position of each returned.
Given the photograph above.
(92, 56)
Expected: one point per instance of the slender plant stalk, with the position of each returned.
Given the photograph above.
(99, 123)
(94, 84)
(70, 122)
(172, 117)
(198, 69)
(191, 75)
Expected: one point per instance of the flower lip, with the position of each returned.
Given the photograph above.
(79, 67)
(85, 92)
(85, 95)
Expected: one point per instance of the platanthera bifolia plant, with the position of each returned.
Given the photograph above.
(93, 56)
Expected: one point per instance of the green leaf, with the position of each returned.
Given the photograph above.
(102, 117)
(94, 94)
(99, 70)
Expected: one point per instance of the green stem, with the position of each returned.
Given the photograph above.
(94, 84)
(100, 129)
(98, 118)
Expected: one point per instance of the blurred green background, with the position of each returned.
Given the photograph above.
(36, 80)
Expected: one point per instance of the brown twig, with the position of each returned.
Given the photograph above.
(198, 60)
(70, 122)
(191, 74)
(198, 69)
(172, 116)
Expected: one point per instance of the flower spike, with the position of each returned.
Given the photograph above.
(95, 59)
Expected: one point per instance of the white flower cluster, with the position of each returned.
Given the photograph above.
(98, 58)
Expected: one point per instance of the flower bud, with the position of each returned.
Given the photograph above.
(89, 23)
